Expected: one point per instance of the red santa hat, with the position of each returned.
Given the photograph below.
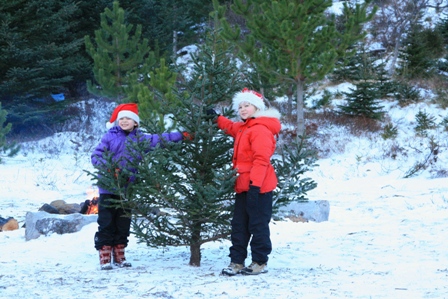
(249, 96)
(129, 110)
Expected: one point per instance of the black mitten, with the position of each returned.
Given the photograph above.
(253, 193)
(212, 114)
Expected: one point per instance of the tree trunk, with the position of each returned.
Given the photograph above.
(195, 246)
(174, 44)
(395, 56)
(289, 106)
(300, 112)
(195, 255)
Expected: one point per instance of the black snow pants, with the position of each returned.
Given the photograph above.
(114, 222)
(251, 219)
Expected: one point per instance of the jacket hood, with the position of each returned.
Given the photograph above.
(269, 118)
(270, 112)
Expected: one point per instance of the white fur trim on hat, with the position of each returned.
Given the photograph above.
(250, 97)
(128, 114)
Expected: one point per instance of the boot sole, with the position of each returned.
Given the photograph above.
(253, 273)
(223, 272)
(106, 267)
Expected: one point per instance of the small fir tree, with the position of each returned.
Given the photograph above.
(363, 99)
(294, 159)
(154, 92)
(423, 47)
(118, 53)
(190, 182)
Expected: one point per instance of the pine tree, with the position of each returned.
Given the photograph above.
(117, 54)
(190, 182)
(418, 56)
(154, 92)
(442, 28)
(296, 41)
(293, 161)
(364, 99)
(175, 23)
(10, 149)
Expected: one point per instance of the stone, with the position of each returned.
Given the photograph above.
(317, 210)
(49, 209)
(43, 223)
(8, 224)
(65, 208)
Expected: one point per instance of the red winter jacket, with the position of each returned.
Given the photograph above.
(253, 148)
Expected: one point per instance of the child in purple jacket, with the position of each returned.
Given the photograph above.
(114, 222)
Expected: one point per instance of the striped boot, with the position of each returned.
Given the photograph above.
(119, 259)
(105, 257)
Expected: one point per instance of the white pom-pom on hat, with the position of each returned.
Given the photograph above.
(248, 96)
(129, 110)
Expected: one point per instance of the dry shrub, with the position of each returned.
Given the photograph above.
(357, 125)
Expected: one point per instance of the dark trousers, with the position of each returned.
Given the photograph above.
(251, 219)
(114, 222)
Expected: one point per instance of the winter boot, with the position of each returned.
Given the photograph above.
(232, 269)
(105, 257)
(119, 259)
(255, 269)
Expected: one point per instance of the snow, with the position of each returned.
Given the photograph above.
(386, 237)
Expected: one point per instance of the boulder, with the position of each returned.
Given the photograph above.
(43, 223)
(317, 210)
(65, 208)
(7, 224)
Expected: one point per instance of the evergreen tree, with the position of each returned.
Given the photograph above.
(155, 92)
(10, 149)
(366, 67)
(38, 55)
(293, 161)
(385, 85)
(296, 41)
(190, 182)
(117, 54)
(176, 23)
(442, 28)
(418, 57)
(363, 101)
(87, 19)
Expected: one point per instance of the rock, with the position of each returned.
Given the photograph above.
(8, 224)
(49, 209)
(65, 208)
(317, 211)
(43, 223)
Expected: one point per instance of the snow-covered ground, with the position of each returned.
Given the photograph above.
(386, 237)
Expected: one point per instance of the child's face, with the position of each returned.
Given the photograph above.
(246, 110)
(127, 124)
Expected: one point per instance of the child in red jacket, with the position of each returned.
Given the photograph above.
(253, 148)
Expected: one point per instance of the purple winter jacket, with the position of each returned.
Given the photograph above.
(116, 142)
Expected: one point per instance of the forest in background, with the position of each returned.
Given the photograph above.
(44, 53)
